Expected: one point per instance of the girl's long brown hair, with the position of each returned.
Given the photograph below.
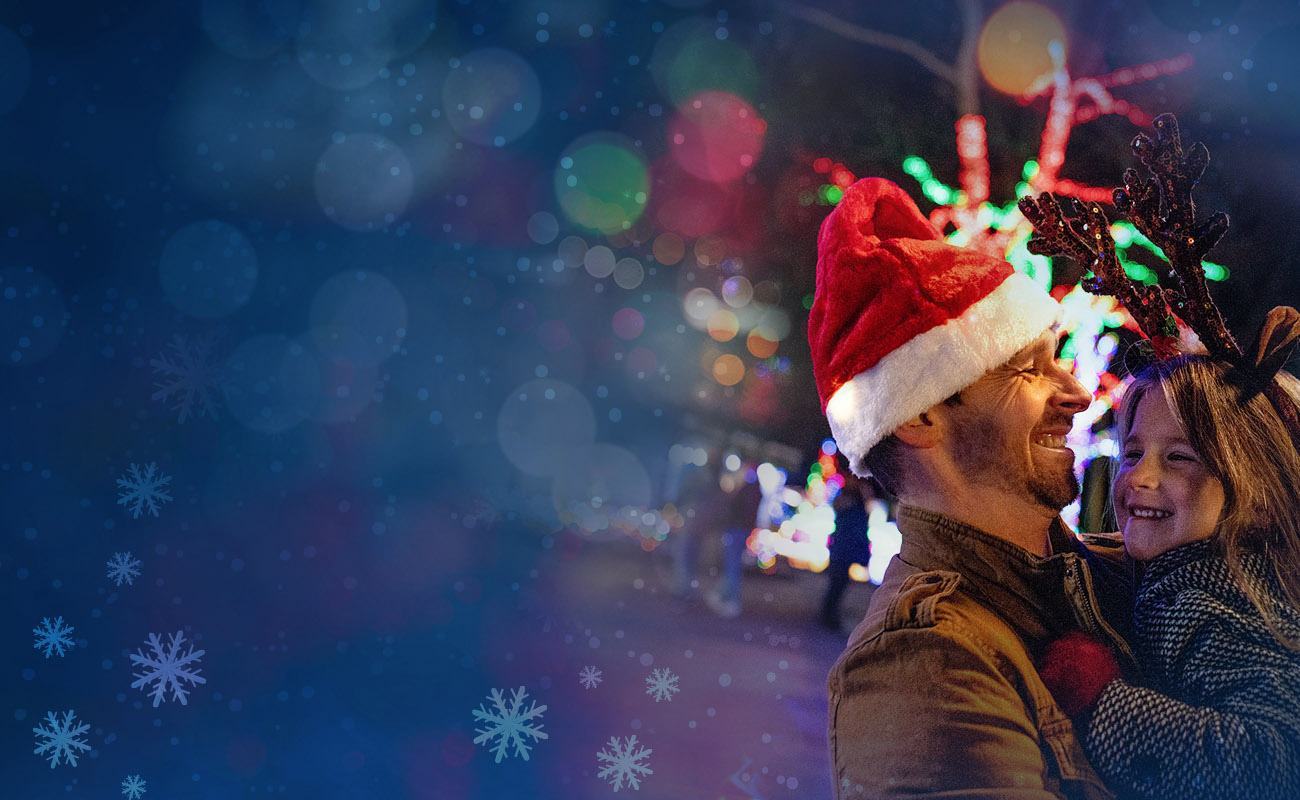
(1244, 443)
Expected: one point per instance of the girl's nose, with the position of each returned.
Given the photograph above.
(1145, 473)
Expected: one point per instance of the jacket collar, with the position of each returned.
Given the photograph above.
(1026, 590)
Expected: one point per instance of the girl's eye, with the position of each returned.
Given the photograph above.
(1181, 457)
(1132, 455)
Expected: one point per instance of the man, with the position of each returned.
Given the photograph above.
(937, 372)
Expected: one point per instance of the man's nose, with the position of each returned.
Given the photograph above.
(1070, 397)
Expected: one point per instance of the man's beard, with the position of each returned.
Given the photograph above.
(1053, 491)
(982, 452)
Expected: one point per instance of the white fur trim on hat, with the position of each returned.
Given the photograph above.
(934, 365)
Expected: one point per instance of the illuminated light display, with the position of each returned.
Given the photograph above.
(602, 182)
(1013, 46)
(716, 136)
(805, 520)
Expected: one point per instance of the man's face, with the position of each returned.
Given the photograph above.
(1009, 430)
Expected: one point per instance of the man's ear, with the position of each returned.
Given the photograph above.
(922, 431)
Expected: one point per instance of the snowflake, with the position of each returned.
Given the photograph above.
(190, 376)
(133, 787)
(167, 667)
(662, 683)
(62, 738)
(123, 567)
(144, 491)
(624, 763)
(589, 677)
(53, 636)
(509, 724)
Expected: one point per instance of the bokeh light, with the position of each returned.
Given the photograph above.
(668, 248)
(598, 481)
(273, 383)
(208, 269)
(602, 182)
(628, 323)
(628, 273)
(716, 136)
(737, 291)
(698, 305)
(541, 422)
(344, 45)
(492, 96)
(15, 69)
(32, 316)
(543, 227)
(364, 182)
(761, 343)
(728, 369)
(599, 261)
(690, 58)
(710, 250)
(359, 316)
(723, 325)
(1013, 46)
(572, 250)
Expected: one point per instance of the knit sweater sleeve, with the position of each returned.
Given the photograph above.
(1230, 725)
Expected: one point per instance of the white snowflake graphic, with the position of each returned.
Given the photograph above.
(166, 667)
(123, 567)
(589, 677)
(189, 378)
(624, 762)
(662, 683)
(62, 738)
(509, 724)
(143, 490)
(52, 637)
(133, 787)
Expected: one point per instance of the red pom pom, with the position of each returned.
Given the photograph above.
(1076, 668)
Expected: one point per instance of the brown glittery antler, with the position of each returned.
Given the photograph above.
(1087, 239)
(1161, 208)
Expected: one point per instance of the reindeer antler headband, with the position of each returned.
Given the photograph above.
(1161, 208)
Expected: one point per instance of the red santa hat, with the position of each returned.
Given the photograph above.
(902, 320)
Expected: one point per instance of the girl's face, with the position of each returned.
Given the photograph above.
(1164, 496)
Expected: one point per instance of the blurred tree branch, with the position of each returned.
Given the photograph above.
(962, 73)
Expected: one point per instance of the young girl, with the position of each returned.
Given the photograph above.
(1208, 496)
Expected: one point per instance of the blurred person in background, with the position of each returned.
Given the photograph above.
(849, 545)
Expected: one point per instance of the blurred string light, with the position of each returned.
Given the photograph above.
(802, 522)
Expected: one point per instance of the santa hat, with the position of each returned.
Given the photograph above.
(902, 320)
